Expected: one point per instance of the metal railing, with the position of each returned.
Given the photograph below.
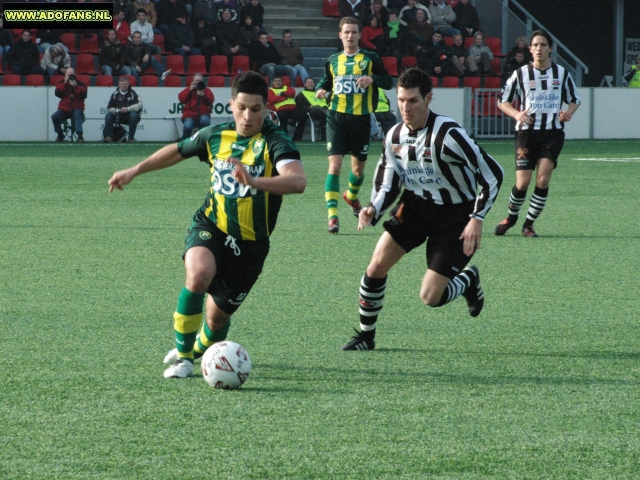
(487, 119)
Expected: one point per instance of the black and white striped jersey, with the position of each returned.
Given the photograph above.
(543, 92)
(439, 163)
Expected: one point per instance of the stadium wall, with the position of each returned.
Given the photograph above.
(26, 112)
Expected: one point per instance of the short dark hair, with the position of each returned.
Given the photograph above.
(541, 33)
(415, 78)
(251, 83)
(285, 31)
(349, 21)
(141, 10)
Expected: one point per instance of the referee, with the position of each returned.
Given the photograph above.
(542, 87)
(441, 170)
(351, 80)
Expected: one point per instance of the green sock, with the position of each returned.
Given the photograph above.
(208, 338)
(354, 186)
(186, 321)
(332, 194)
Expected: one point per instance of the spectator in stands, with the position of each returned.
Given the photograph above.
(255, 10)
(481, 53)
(419, 33)
(467, 20)
(111, 55)
(291, 55)
(71, 93)
(383, 113)
(150, 9)
(205, 39)
(180, 38)
(24, 56)
(55, 60)
(352, 8)
(198, 105)
(513, 64)
(228, 37)
(6, 39)
(378, 10)
(442, 18)
(372, 38)
(632, 77)
(168, 11)
(248, 32)
(307, 103)
(395, 34)
(137, 58)
(282, 101)
(206, 9)
(521, 46)
(127, 7)
(232, 5)
(407, 14)
(465, 64)
(49, 37)
(146, 31)
(435, 58)
(265, 59)
(124, 107)
(121, 27)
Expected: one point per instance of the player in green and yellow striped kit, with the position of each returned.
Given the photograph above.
(351, 79)
(252, 164)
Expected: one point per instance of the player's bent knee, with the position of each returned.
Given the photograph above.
(198, 282)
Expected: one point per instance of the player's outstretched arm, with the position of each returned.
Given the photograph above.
(163, 158)
(290, 179)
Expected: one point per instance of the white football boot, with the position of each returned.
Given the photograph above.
(171, 357)
(181, 368)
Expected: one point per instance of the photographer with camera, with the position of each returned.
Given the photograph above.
(124, 107)
(198, 105)
(72, 93)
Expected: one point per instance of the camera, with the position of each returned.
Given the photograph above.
(72, 77)
(200, 85)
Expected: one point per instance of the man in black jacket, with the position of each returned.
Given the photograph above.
(24, 56)
(265, 59)
(124, 106)
(111, 54)
(467, 20)
(180, 38)
(435, 58)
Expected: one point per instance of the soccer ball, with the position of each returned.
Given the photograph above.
(226, 365)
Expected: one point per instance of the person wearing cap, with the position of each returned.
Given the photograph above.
(55, 60)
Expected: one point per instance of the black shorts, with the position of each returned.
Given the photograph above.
(348, 134)
(414, 220)
(532, 145)
(238, 263)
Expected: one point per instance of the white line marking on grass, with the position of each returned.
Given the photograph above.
(601, 159)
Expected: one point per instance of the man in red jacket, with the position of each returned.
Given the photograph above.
(72, 93)
(282, 101)
(198, 104)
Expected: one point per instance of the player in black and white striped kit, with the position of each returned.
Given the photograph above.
(542, 87)
(450, 183)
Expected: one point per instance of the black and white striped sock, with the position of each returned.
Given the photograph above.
(371, 301)
(457, 286)
(536, 205)
(516, 199)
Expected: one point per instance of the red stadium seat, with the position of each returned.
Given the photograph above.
(150, 70)
(149, 81)
(451, 82)
(85, 64)
(240, 63)
(89, 45)
(158, 40)
(104, 81)
(11, 80)
(175, 63)
(468, 42)
(86, 79)
(216, 81)
(490, 106)
(173, 81)
(495, 44)
(448, 41)
(492, 82)
(496, 66)
(330, 8)
(299, 82)
(36, 80)
(132, 80)
(408, 62)
(55, 79)
(69, 41)
(391, 64)
(473, 82)
(219, 65)
(435, 81)
(197, 64)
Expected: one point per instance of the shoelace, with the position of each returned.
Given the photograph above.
(230, 241)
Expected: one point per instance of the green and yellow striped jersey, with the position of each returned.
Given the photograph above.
(341, 73)
(238, 210)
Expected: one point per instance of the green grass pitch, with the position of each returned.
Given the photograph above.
(544, 384)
